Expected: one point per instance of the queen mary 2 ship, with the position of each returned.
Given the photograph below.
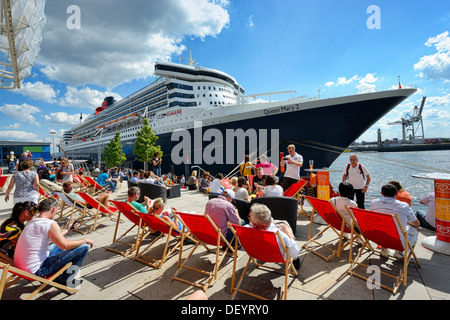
(202, 118)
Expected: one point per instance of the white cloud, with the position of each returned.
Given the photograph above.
(22, 113)
(366, 84)
(18, 135)
(250, 22)
(329, 84)
(341, 81)
(436, 66)
(12, 126)
(119, 41)
(38, 91)
(85, 97)
(62, 119)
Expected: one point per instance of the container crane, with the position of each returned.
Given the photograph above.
(412, 123)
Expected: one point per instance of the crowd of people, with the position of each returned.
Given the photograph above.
(26, 234)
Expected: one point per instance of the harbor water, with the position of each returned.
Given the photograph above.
(400, 166)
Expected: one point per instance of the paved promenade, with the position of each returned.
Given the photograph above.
(110, 276)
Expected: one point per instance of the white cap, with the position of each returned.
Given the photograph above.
(229, 193)
(12, 152)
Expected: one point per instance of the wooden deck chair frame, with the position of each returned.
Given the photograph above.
(70, 203)
(97, 209)
(131, 213)
(218, 241)
(157, 223)
(408, 249)
(44, 193)
(294, 191)
(95, 187)
(4, 182)
(336, 222)
(264, 244)
(5, 259)
(83, 185)
(17, 274)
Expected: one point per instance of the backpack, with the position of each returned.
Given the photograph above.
(360, 169)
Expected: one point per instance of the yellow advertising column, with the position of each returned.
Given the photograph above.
(323, 184)
(441, 242)
(442, 205)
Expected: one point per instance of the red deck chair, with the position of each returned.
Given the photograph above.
(17, 274)
(132, 215)
(294, 191)
(263, 246)
(170, 231)
(205, 231)
(226, 183)
(336, 222)
(250, 181)
(3, 182)
(385, 230)
(94, 186)
(44, 193)
(95, 213)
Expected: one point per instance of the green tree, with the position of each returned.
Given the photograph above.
(144, 147)
(113, 154)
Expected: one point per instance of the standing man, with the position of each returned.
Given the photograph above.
(359, 177)
(293, 163)
(11, 158)
(35, 255)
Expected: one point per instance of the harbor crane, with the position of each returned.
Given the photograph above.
(411, 124)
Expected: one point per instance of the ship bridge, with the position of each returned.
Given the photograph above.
(21, 28)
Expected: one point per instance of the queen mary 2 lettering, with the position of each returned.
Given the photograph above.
(202, 117)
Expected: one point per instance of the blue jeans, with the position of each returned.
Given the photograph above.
(111, 184)
(11, 166)
(157, 171)
(58, 258)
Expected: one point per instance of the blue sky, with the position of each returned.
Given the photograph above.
(267, 45)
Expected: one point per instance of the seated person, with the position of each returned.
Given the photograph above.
(192, 181)
(388, 204)
(105, 181)
(242, 189)
(258, 180)
(68, 189)
(271, 188)
(261, 218)
(133, 196)
(402, 195)
(149, 177)
(340, 202)
(204, 181)
(427, 219)
(12, 227)
(221, 210)
(36, 255)
(234, 183)
(135, 177)
(216, 186)
(115, 176)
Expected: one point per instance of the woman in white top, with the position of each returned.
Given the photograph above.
(66, 170)
(26, 182)
(271, 188)
(242, 189)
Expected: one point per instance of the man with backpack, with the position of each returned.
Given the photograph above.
(359, 177)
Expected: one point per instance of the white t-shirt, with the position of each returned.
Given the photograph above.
(32, 247)
(341, 203)
(242, 194)
(273, 191)
(430, 217)
(355, 177)
(292, 171)
(216, 186)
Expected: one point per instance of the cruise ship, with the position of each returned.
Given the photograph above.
(203, 119)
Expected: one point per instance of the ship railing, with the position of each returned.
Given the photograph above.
(325, 94)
